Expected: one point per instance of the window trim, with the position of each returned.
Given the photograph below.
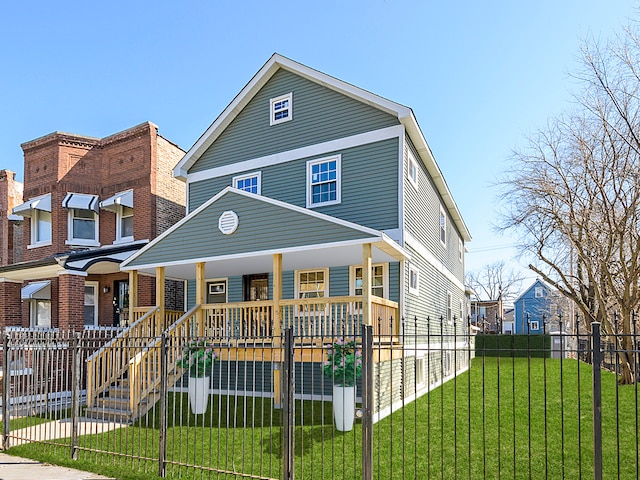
(413, 165)
(296, 279)
(460, 250)
(421, 371)
(246, 176)
(96, 310)
(538, 292)
(449, 307)
(119, 217)
(35, 229)
(71, 240)
(385, 278)
(272, 109)
(443, 227)
(338, 180)
(534, 325)
(33, 313)
(415, 290)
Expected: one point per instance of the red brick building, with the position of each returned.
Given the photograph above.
(10, 230)
(88, 203)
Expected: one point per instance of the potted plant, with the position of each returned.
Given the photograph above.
(343, 366)
(198, 358)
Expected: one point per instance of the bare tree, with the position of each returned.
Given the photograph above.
(574, 193)
(493, 281)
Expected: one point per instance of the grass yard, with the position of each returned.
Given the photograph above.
(509, 418)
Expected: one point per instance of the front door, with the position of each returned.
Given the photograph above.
(256, 321)
(121, 303)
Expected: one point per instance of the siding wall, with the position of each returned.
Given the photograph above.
(369, 185)
(319, 114)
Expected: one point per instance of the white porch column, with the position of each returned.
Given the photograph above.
(366, 284)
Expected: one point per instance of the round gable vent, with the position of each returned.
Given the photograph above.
(228, 222)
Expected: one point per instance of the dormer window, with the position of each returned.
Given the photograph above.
(83, 219)
(281, 109)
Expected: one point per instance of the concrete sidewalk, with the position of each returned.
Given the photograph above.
(16, 468)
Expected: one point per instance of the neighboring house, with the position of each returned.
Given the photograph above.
(508, 322)
(89, 203)
(538, 304)
(297, 184)
(10, 231)
(487, 315)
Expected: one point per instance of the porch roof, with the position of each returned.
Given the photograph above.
(237, 232)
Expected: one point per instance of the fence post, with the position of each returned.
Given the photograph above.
(367, 402)
(75, 391)
(162, 453)
(288, 406)
(6, 387)
(597, 401)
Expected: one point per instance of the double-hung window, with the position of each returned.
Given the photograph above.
(413, 171)
(90, 304)
(122, 205)
(39, 210)
(323, 181)
(312, 283)
(281, 109)
(249, 182)
(379, 280)
(443, 227)
(414, 280)
(82, 219)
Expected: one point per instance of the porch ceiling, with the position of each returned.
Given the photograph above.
(315, 256)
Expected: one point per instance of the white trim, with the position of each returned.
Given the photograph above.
(246, 176)
(72, 272)
(119, 217)
(337, 180)
(96, 310)
(377, 235)
(289, 108)
(413, 270)
(449, 307)
(35, 228)
(460, 250)
(298, 153)
(410, 240)
(442, 226)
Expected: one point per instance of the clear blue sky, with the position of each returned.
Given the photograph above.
(478, 75)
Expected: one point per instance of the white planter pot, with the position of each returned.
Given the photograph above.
(198, 394)
(344, 407)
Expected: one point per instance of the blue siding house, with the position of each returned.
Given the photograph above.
(536, 305)
(315, 204)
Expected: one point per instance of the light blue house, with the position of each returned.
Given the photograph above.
(300, 182)
(537, 304)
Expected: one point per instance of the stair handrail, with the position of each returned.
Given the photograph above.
(122, 350)
(141, 384)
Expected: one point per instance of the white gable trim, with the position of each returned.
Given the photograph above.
(299, 153)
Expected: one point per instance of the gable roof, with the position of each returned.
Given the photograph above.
(402, 113)
(538, 281)
(262, 227)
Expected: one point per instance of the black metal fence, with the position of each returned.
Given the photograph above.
(433, 402)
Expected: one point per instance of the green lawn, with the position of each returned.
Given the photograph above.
(470, 428)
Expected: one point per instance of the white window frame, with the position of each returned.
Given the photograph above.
(385, 278)
(82, 241)
(297, 274)
(460, 250)
(534, 325)
(119, 217)
(33, 313)
(96, 310)
(449, 307)
(461, 306)
(273, 109)
(35, 229)
(338, 181)
(443, 227)
(421, 371)
(412, 171)
(257, 175)
(539, 292)
(414, 288)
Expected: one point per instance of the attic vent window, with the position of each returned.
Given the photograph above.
(228, 222)
(281, 109)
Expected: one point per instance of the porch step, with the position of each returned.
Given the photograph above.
(111, 414)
